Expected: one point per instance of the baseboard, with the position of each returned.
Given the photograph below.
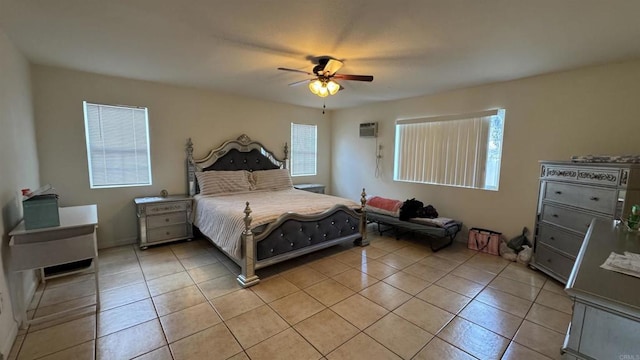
(8, 343)
(5, 348)
(119, 242)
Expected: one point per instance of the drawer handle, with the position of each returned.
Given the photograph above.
(594, 198)
(551, 238)
(168, 233)
(555, 215)
(549, 260)
(166, 220)
(558, 192)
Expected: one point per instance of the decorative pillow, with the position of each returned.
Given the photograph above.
(277, 179)
(384, 206)
(220, 182)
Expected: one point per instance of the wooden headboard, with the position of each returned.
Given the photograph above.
(239, 154)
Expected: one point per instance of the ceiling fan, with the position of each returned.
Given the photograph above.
(323, 83)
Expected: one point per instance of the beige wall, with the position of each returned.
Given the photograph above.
(18, 170)
(587, 111)
(175, 114)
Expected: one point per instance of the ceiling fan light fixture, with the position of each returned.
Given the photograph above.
(333, 87)
(323, 91)
(315, 86)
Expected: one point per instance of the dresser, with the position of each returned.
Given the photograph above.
(163, 219)
(606, 314)
(570, 196)
(314, 188)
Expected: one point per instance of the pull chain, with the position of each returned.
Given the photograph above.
(324, 106)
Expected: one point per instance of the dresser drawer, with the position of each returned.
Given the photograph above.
(167, 232)
(166, 219)
(553, 261)
(563, 241)
(596, 176)
(567, 218)
(586, 197)
(167, 207)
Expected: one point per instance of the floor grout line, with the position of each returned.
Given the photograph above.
(333, 256)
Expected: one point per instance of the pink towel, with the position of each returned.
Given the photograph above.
(388, 206)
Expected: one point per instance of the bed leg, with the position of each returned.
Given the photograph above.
(248, 276)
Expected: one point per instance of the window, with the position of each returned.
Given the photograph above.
(458, 150)
(117, 145)
(304, 149)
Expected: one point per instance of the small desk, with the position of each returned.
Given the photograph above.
(74, 240)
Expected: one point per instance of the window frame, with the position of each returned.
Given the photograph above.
(107, 185)
(293, 150)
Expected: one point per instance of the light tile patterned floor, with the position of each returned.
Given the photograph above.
(394, 299)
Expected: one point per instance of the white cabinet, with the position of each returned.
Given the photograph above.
(73, 240)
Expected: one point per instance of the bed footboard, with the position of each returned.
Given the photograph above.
(293, 235)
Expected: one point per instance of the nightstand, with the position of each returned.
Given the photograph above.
(314, 188)
(163, 219)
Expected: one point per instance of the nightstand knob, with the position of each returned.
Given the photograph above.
(166, 220)
(168, 233)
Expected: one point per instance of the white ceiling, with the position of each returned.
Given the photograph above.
(412, 47)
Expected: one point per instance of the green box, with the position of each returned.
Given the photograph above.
(41, 211)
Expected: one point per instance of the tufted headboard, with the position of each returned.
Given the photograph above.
(239, 154)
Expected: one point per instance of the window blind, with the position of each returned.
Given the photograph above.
(304, 146)
(117, 145)
(460, 150)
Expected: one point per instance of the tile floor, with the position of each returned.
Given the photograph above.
(390, 300)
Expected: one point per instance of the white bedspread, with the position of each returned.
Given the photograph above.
(221, 217)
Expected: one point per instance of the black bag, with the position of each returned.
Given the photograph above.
(410, 209)
(519, 241)
(428, 212)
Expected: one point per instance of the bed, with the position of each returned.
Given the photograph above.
(239, 189)
(385, 212)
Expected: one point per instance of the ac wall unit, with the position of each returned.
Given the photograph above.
(369, 129)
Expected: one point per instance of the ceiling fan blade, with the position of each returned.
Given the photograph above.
(353, 77)
(300, 82)
(294, 70)
(332, 66)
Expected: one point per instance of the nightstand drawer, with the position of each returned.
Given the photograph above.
(167, 232)
(561, 240)
(585, 197)
(174, 206)
(166, 219)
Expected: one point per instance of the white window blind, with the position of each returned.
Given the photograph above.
(304, 146)
(117, 145)
(458, 150)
